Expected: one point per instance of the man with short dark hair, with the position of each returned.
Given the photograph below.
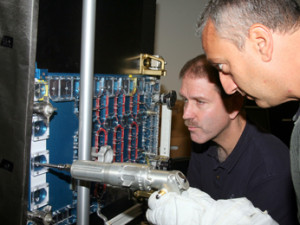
(235, 159)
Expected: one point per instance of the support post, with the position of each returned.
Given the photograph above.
(86, 103)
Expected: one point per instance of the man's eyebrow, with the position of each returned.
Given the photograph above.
(211, 62)
(180, 95)
(195, 97)
(214, 64)
(215, 61)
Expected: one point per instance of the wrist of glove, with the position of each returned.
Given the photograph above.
(196, 207)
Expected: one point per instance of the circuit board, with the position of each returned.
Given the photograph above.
(125, 117)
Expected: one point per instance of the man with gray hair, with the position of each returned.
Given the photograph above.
(255, 45)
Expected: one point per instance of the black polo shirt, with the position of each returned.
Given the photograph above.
(258, 168)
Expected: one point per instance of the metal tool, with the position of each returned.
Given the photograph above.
(130, 175)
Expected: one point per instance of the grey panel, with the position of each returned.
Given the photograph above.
(18, 28)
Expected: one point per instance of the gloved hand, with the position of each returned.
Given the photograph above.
(172, 208)
(196, 207)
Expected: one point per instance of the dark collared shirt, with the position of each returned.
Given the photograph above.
(258, 168)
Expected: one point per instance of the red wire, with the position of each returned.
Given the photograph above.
(138, 104)
(115, 142)
(98, 109)
(129, 145)
(97, 138)
(136, 138)
(131, 103)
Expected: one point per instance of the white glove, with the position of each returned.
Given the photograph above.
(196, 207)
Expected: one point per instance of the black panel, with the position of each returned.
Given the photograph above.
(124, 28)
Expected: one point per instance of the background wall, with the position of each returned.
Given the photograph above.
(175, 38)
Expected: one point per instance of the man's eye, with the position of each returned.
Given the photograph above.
(223, 68)
(200, 102)
(220, 66)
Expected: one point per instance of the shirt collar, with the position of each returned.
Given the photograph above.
(234, 156)
(296, 116)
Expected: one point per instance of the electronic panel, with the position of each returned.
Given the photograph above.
(125, 128)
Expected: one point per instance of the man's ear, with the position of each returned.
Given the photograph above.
(261, 37)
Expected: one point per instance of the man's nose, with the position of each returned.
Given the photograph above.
(187, 111)
(228, 84)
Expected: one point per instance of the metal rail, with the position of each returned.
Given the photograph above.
(85, 107)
